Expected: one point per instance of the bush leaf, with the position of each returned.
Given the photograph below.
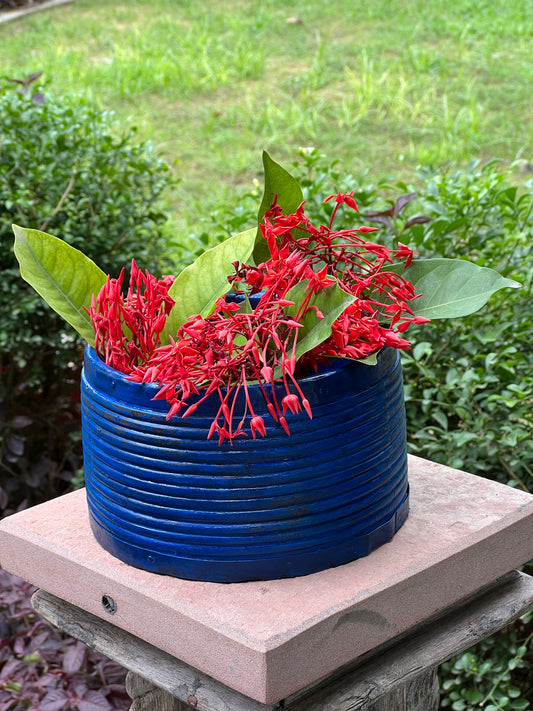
(62, 275)
(199, 285)
(452, 288)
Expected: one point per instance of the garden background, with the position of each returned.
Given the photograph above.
(143, 137)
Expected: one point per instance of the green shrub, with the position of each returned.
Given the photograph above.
(67, 169)
(470, 383)
(492, 676)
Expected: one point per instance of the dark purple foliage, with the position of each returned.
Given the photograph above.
(43, 670)
(25, 86)
(385, 217)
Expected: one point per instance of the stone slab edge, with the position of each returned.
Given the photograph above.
(236, 662)
(270, 669)
(331, 645)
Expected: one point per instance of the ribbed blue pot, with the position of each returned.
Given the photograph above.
(164, 498)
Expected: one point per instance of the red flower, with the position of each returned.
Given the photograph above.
(128, 327)
(344, 199)
(257, 425)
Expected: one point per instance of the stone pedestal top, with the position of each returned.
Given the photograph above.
(269, 639)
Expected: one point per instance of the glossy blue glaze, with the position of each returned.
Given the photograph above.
(164, 498)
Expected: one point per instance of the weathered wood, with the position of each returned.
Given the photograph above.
(398, 676)
(425, 647)
(420, 694)
(147, 697)
(170, 674)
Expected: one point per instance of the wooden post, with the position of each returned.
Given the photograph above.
(400, 675)
(7, 15)
(420, 694)
(147, 697)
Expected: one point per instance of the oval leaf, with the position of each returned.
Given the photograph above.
(278, 182)
(64, 277)
(452, 288)
(199, 285)
(420, 220)
(402, 201)
(331, 303)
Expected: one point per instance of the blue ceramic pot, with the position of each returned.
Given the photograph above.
(164, 498)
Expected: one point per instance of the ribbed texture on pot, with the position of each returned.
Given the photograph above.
(164, 498)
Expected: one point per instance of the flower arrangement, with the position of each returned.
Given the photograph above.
(266, 306)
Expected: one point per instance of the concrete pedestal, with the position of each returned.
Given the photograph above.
(270, 640)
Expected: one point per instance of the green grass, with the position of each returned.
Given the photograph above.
(382, 84)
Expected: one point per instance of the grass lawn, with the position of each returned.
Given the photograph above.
(386, 84)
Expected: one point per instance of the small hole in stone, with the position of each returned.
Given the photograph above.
(109, 604)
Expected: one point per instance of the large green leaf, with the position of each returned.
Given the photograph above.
(199, 285)
(64, 277)
(279, 184)
(452, 288)
(331, 303)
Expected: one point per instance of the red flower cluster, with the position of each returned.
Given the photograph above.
(220, 354)
(323, 256)
(237, 344)
(127, 328)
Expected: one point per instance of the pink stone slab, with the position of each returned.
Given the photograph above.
(270, 639)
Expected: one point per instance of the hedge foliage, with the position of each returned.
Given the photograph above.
(43, 669)
(68, 169)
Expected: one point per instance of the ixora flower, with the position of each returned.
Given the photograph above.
(265, 307)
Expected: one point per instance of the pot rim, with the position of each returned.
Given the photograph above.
(321, 389)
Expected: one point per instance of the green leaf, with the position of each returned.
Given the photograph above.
(452, 288)
(64, 277)
(281, 184)
(330, 302)
(372, 359)
(199, 285)
(513, 692)
(422, 349)
(473, 696)
(441, 418)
